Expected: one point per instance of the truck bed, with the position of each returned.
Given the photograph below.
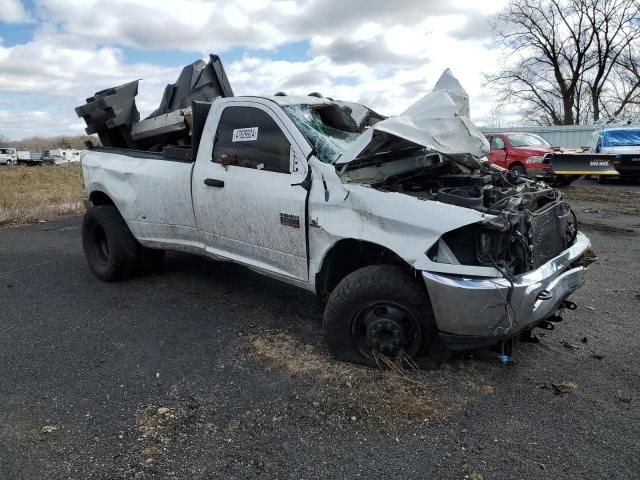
(152, 190)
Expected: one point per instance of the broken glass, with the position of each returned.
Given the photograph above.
(327, 141)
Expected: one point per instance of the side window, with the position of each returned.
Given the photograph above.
(248, 137)
(497, 143)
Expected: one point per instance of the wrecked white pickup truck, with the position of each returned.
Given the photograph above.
(414, 239)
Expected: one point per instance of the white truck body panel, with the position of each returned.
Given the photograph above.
(167, 205)
(284, 224)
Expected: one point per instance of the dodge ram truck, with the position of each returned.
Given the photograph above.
(416, 242)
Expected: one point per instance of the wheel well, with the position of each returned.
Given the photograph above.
(100, 198)
(518, 163)
(349, 255)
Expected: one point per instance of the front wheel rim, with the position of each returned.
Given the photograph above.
(386, 328)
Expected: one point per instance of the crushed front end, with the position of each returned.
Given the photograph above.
(530, 238)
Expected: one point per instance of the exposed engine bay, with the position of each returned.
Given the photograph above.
(527, 223)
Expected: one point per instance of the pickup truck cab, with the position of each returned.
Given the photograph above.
(8, 156)
(414, 240)
(521, 153)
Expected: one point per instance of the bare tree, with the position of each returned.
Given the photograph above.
(494, 118)
(623, 96)
(564, 56)
(615, 24)
(4, 141)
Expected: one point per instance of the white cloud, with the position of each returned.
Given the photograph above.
(384, 54)
(13, 11)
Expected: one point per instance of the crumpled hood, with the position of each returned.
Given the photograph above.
(438, 121)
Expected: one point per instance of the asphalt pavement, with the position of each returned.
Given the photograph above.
(208, 370)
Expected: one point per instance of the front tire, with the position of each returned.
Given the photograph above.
(111, 251)
(518, 170)
(379, 310)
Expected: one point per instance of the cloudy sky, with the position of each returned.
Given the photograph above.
(385, 54)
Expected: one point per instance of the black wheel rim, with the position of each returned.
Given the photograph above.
(100, 243)
(386, 328)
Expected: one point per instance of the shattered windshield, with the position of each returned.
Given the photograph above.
(327, 128)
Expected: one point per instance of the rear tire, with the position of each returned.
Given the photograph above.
(380, 309)
(111, 251)
(9, 163)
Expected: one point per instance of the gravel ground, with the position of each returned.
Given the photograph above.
(207, 370)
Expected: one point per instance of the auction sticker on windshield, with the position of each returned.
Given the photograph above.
(245, 134)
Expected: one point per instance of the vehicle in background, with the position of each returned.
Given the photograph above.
(622, 146)
(8, 156)
(29, 159)
(524, 154)
(59, 156)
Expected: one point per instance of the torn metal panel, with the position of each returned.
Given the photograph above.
(457, 93)
(438, 121)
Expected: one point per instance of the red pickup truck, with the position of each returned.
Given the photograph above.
(522, 153)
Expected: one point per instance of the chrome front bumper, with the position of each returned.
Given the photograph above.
(477, 307)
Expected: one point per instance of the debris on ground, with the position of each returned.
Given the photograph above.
(49, 429)
(624, 398)
(569, 345)
(563, 387)
(597, 356)
(589, 257)
(155, 422)
(475, 476)
(488, 389)
(589, 308)
(377, 398)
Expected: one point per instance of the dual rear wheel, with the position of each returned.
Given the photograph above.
(111, 251)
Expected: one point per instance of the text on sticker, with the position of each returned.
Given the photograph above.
(245, 134)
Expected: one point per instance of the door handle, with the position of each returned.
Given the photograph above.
(212, 182)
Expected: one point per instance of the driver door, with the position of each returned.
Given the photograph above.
(245, 201)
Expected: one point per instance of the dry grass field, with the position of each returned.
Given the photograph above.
(31, 194)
